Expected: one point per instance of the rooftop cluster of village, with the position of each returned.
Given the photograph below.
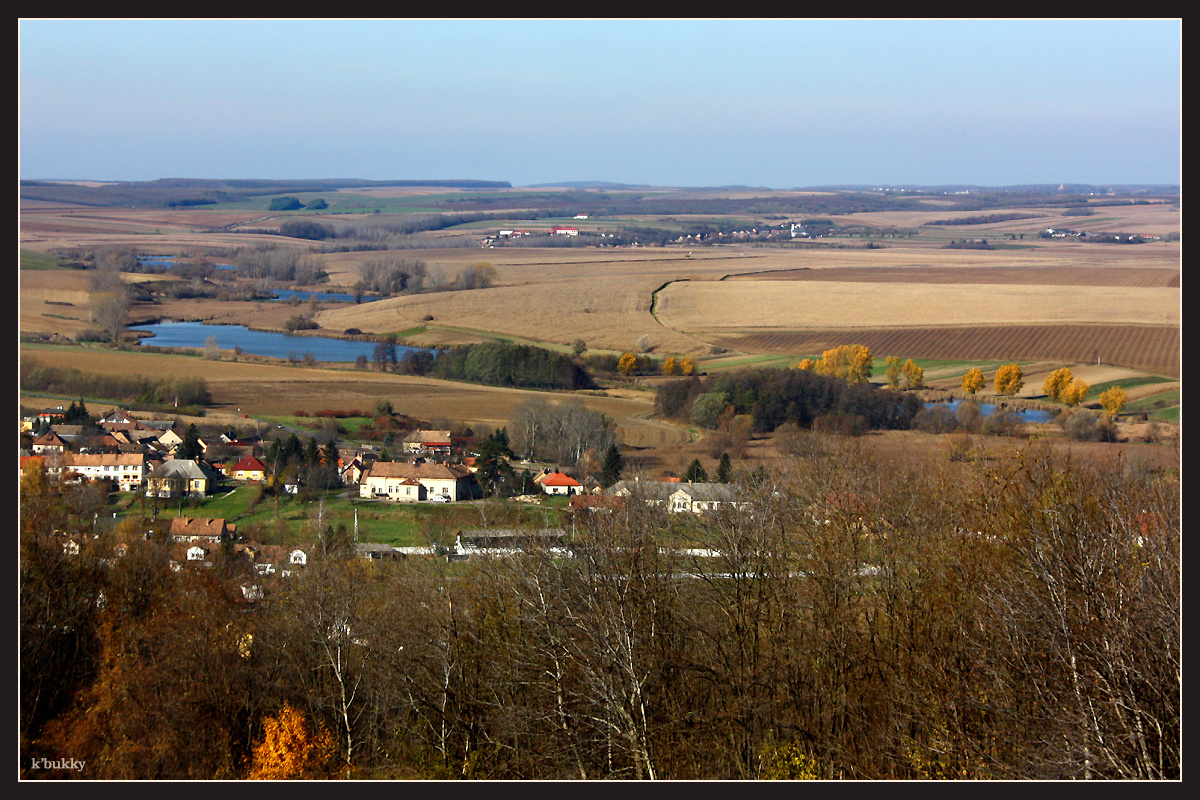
(171, 465)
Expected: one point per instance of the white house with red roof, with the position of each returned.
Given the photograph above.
(558, 483)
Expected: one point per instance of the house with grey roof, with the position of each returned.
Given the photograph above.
(180, 477)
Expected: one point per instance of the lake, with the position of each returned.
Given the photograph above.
(260, 343)
(1036, 415)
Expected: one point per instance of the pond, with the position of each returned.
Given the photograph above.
(166, 262)
(328, 297)
(260, 343)
(1036, 415)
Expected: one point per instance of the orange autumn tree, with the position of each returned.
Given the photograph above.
(973, 381)
(290, 750)
(851, 362)
(1009, 380)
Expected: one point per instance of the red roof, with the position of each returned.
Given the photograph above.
(250, 463)
(558, 479)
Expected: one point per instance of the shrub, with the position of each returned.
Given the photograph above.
(300, 322)
(1083, 427)
(91, 335)
(958, 446)
(936, 419)
(1002, 423)
(841, 423)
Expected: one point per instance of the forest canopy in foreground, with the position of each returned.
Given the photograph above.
(1017, 619)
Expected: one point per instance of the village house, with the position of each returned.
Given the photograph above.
(201, 529)
(651, 492)
(699, 498)
(126, 470)
(557, 483)
(405, 482)
(248, 469)
(420, 442)
(678, 497)
(49, 443)
(118, 416)
(49, 416)
(169, 440)
(180, 477)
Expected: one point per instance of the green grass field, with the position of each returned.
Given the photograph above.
(1163, 407)
(292, 520)
(32, 260)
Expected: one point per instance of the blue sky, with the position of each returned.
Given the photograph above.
(778, 103)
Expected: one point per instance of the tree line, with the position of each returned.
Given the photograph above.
(500, 364)
(1012, 619)
(36, 376)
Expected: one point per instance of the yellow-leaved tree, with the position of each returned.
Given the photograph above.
(628, 364)
(789, 762)
(290, 750)
(1075, 392)
(894, 366)
(1056, 382)
(670, 365)
(1009, 380)
(914, 376)
(1113, 400)
(973, 381)
(851, 362)
(687, 366)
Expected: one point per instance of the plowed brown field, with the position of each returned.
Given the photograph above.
(1152, 348)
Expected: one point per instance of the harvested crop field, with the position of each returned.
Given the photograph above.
(706, 306)
(1149, 348)
(608, 316)
(1055, 276)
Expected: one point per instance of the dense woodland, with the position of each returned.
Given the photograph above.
(1011, 618)
(513, 365)
(776, 396)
